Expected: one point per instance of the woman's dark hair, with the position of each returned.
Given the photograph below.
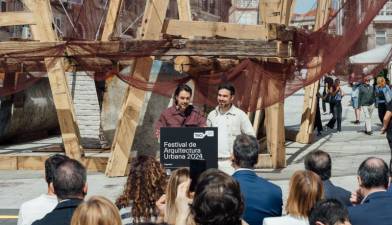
(217, 199)
(181, 87)
(145, 185)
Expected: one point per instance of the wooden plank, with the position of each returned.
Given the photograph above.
(16, 18)
(215, 29)
(264, 161)
(129, 114)
(136, 48)
(184, 10)
(41, 10)
(37, 162)
(111, 19)
(305, 134)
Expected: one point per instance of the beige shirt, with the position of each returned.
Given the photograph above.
(230, 124)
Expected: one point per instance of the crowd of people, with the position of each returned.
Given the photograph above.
(233, 194)
(152, 197)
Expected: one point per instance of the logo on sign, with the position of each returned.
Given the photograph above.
(201, 135)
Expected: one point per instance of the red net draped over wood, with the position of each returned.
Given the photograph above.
(258, 84)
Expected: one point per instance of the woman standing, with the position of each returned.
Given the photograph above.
(335, 98)
(382, 97)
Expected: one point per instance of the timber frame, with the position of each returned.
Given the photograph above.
(268, 40)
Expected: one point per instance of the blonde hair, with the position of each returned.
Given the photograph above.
(178, 176)
(306, 188)
(381, 81)
(96, 210)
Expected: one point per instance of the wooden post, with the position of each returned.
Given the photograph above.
(278, 11)
(111, 18)
(43, 31)
(154, 15)
(305, 134)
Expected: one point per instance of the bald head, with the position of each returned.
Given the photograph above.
(373, 173)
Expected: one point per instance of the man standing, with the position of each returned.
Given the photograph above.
(70, 187)
(37, 208)
(320, 162)
(231, 121)
(372, 201)
(181, 114)
(387, 127)
(261, 198)
(366, 102)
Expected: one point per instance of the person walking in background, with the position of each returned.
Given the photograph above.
(328, 82)
(335, 98)
(354, 100)
(366, 102)
(383, 96)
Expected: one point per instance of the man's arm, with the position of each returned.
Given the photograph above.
(246, 126)
(160, 123)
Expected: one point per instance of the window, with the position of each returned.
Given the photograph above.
(212, 7)
(3, 6)
(381, 37)
(204, 5)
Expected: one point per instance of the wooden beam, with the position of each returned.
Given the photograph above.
(184, 10)
(275, 11)
(37, 162)
(129, 114)
(43, 31)
(215, 29)
(140, 48)
(16, 18)
(305, 134)
(111, 19)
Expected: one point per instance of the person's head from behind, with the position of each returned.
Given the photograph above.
(245, 151)
(329, 212)
(97, 210)
(226, 92)
(305, 190)
(373, 174)
(217, 199)
(50, 166)
(337, 82)
(182, 96)
(70, 180)
(319, 162)
(177, 177)
(145, 185)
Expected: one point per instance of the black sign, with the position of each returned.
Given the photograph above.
(180, 144)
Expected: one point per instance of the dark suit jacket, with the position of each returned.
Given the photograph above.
(332, 191)
(61, 215)
(261, 198)
(376, 209)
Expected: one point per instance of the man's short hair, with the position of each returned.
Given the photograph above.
(51, 164)
(69, 179)
(373, 173)
(319, 162)
(227, 86)
(217, 199)
(328, 212)
(245, 151)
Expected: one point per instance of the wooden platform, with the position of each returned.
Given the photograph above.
(32, 155)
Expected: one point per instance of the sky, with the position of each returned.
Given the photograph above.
(302, 6)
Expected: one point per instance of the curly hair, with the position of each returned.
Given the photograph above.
(145, 185)
(217, 200)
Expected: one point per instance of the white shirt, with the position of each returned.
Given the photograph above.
(285, 220)
(230, 124)
(36, 209)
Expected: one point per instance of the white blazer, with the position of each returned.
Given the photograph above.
(285, 220)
